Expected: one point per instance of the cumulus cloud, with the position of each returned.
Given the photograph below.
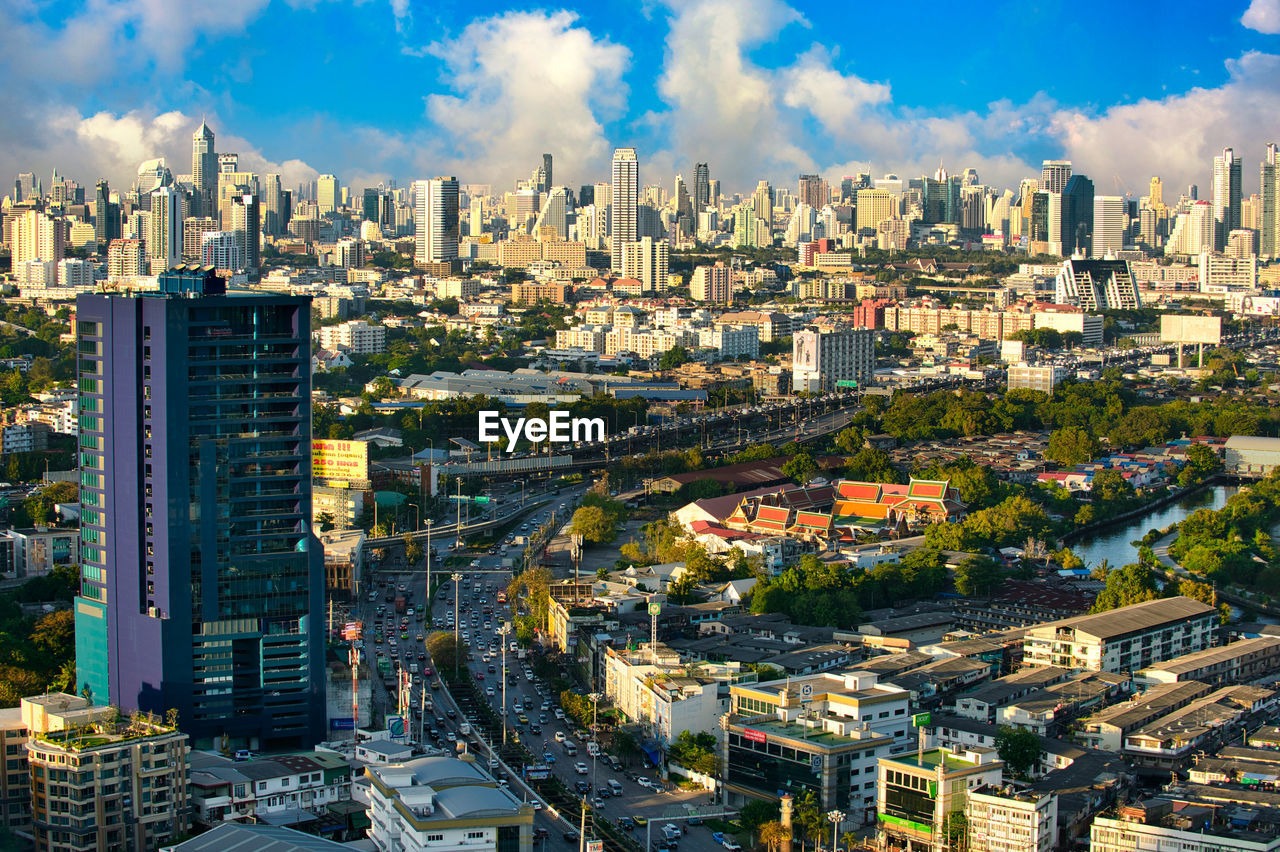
(1177, 137)
(525, 83)
(1263, 16)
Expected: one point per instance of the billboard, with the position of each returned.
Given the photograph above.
(346, 724)
(754, 735)
(340, 461)
(1190, 329)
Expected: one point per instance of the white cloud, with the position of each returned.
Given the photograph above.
(525, 83)
(1263, 16)
(1177, 137)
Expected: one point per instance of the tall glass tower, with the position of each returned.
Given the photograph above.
(202, 585)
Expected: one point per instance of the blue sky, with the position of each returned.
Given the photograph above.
(379, 90)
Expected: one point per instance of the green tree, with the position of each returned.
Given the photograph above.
(673, 357)
(593, 525)
(757, 812)
(1128, 585)
(681, 589)
(1072, 445)
(978, 575)
(1021, 750)
(801, 468)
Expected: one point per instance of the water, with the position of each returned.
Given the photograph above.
(1114, 544)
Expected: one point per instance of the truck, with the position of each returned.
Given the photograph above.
(400, 604)
(384, 666)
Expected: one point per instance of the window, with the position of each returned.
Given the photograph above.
(475, 835)
(434, 838)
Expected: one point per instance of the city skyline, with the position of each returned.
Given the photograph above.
(766, 90)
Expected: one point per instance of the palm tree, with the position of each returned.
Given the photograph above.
(848, 839)
(774, 835)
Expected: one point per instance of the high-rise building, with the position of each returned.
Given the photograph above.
(548, 179)
(475, 222)
(106, 216)
(122, 787)
(164, 241)
(624, 196)
(554, 217)
(812, 190)
(684, 204)
(1226, 194)
(712, 284)
(38, 236)
(193, 230)
(275, 216)
(1269, 202)
(874, 206)
(126, 259)
(26, 188)
(246, 224)
(1078, 216)
(701, 186)
(1110, 219)
(1193, 231)
(328, 194)
(204, 169)
(1155, 195)
(1054, 175)
(824, 359)
(762, 203)
(369, 204)
(436, 220)
(223, 250)
(647, 261)
(202, 585)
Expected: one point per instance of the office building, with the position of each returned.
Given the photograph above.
(624, 197)
(1006, 819)
(553, 220)
(275, 206)
(1038, 378)
(1269, 202)
(1096, 285)
(38, 236)
(1054, 175)
(369, 204)
(348, 253)
(1193, 231)
(919, 794)
(701, 187)
(822, 734)
(202, 586)
(247, 226)
(1164, 825)
(1078, 216)
(1110, 220)
(106, 216)
(825, 359)
(647, 261)
(874, 206)
(204, 170)
(712, 284)
(100, 782)
(1125, 639)
(328, 194)
(435, 220)
(1064, 320)
(1226, 195)
(445, 804)
(812, 190)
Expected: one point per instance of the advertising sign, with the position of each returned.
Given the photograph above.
(755, 736)
(340, 461)
(347, 724)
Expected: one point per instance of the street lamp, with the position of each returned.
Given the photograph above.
(504, 630)
(430, 597)
(836, 817)
(457, 578)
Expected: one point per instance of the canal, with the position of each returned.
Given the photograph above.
(1115, 544)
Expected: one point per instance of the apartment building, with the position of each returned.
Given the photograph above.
(1037, 378)
(1004, 819)
(355, 337)
(15, 774)
(1239, 662)
(1165, 825)
(258, 790)
(100, 782)
(1123, 640)
(664, 696)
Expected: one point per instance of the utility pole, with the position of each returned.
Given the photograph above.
(457, 651)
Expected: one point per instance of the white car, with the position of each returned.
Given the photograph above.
(580, 768)
(644, 782)
(560, 736)
(559, 714)
(489, 691)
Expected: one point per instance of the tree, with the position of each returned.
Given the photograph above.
(593, 525)
(774, 836)
(412, 549)
(1072, 445)
(755, 813)
(673, 357)
(1125, 586)
(680, 590)
(1021, 750)
(978, 575)
(325, 520)
(801, 468)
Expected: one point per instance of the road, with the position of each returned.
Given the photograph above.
(479, 618)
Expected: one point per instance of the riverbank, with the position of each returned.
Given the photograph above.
(1145, 509)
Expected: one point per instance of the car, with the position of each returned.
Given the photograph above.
(479, 675)
(548, 757)
(731, 846)
(540, 833)
(560, 737)
(639, 820)
(489, 691)
(450, 713)
(645, 782)
(671, 830)
(597, 803)
(626, 823)
(580, 768)
(559, 714)
(535, 729)
(583, 787)
(572, 836)
(693, 820)
(604, 792)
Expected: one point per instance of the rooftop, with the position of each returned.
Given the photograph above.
(1130, 619)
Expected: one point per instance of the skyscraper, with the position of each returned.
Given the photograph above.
(762, 202)
(202, 585)
(1054, 175)
(647, 261)
(274, 218)
(1078, 216)
(106, 216)
(1269, 226)
(812, 191)
(547, 177)
(1110, 218)
(701, 187)
(436, 220)
(369, 204)
(246, 224)
(164, 240)
(37, 236)
(204, 169)
(554, 216)
(1155, 195)
(1226, 195)
(328, 194)
(624, 195)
